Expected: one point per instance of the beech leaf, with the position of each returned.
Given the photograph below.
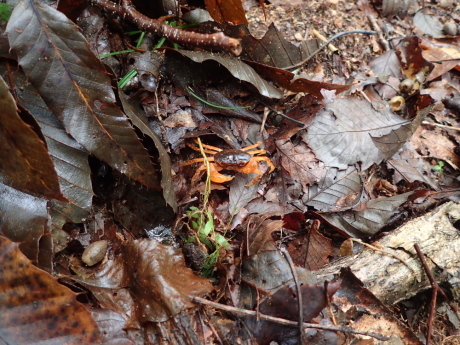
(75, 86)
(25, 162)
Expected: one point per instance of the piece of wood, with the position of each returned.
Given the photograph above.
(388, 278)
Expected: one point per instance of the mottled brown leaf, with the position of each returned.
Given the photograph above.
(25, 163)
(75, 86)
(299, 163)
(35, 308)
(311, 251)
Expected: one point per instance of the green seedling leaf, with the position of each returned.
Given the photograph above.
(221, 241)
(208, 227)
(439, 167)
(5, 12)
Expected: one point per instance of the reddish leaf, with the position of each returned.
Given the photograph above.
(25, 162)
(445, 59)
(290, 82)
(35, 308)
(227, 11)
(152, 272)
(58, 61)
(311, 251)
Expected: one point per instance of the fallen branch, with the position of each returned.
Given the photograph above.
(284, 321)
(217, 41)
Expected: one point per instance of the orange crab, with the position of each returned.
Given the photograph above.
(244, 160)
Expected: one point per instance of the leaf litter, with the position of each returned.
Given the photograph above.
(353, 162)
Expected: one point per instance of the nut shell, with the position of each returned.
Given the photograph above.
(94, 253)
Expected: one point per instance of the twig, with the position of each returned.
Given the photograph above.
(325, 44)
(442, 126)
(284, 321)
(435, 288)
(384, 252)
(216, 41)
(299, 293)
(376, 27)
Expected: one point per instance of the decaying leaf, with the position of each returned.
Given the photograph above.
(73, 83)
(350, 130)
(35, 308)
(152, 272)
(338, 190)
(25, 162)
(238, 69)
(312, 250)
(428, 24)
(373, 216)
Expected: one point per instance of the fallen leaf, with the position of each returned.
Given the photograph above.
(36, 308)
(75, 86)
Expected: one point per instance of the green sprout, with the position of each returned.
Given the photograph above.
(5, 12)
(201, 221)
(439, 167)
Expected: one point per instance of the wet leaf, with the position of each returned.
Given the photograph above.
(284, 304)
(57, 60)
(350, 130)
(338, 190)
(139, 120)
(238, 69)
(367, 222)
(23, 219)
(152, 272)
(69, 157)
(25, 162)
(274, 50)
(35, 308)
(229, 11)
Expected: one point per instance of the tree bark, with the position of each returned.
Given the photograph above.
(392, 281)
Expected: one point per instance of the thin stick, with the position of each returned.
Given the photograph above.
(435, 288)
(284, 321)
(384, 252)
(325, 44)
(216, 41)
(299, 293)
(376, 27)
(442, 126)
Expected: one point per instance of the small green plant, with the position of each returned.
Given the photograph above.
(439, 167)
(5, 12)
(201, 222)
(211, 104)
